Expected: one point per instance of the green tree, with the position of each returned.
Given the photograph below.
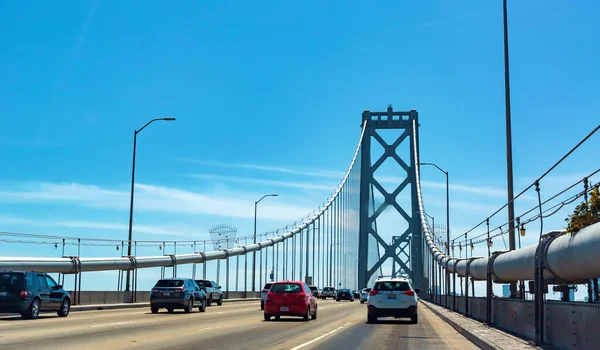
(585, 214)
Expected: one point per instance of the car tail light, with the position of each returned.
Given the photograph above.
(373, 292)
(265, 291)
(410, 293)
(23, 294)
(155, 290)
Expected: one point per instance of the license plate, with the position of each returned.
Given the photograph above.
(391, 296)
(167, 294)
(284, 308)
(3, 294)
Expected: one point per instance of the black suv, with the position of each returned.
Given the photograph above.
(177, 293)
(28, 293)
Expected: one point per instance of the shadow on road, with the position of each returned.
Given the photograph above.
(392, 321)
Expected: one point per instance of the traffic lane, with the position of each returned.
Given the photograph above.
(255, 333)
(86, 326)
(430, 333)
(143, 329)
(50, 319)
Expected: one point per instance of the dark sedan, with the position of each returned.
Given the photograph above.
(177, 293)
(344, 294)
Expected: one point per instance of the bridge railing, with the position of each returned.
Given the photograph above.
(559, 258)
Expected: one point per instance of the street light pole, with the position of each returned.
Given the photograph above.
(135, 132)
(254, 253)
(447, 206)
(447, 223)
(509, 165)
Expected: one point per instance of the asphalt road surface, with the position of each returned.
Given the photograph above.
(240, 325)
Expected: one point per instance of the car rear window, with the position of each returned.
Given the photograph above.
(170, 283)
(204, 283)
(328, 289)
(11, 281)
(286, 288)
(392, 286)
(268, 286)
(313, 288)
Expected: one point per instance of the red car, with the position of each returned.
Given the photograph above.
(290, 298)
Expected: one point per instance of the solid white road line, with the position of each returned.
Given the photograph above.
(319, 338)
(110, 324)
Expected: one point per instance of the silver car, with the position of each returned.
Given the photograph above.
(364, 295)
(263, 294)
(328, 292)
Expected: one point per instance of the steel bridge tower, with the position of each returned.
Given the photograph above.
(411, 239)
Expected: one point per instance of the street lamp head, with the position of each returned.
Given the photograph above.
(169, 119)
(274, 195)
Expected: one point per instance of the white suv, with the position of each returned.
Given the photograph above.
(392, 297)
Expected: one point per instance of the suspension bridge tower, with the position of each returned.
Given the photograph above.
(406, 248)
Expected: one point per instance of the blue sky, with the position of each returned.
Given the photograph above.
(268, 98)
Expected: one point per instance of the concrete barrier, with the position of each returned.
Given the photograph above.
(113, 297)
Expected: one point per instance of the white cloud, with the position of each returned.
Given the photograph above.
(153, 199)
(44, 191)
(479, 190)
(274, 183)
(141, 229)
(313, 173)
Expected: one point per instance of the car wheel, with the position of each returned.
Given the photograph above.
(65, 307)
(314, 317)
(352, 299)
(277, 317)
(202, 307)
(170, 310)
(307, 314)
(189, 306)
(267, 317)
(371, 318)
(209, 300)
(337, 299)
(414, 319)
(153, 309)
(220, 302)
(362, 301)
(262, 305)
(34, 309)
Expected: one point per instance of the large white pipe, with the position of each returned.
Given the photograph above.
(570, 258)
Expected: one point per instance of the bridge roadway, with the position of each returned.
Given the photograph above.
(240, 325)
